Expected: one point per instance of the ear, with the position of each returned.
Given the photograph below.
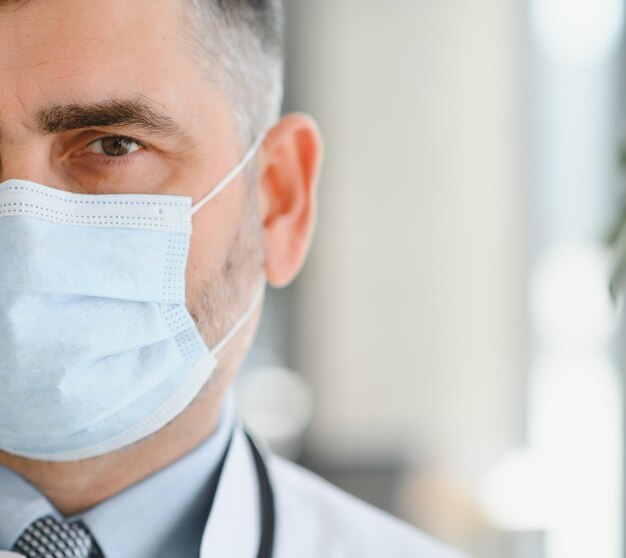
(289, 169)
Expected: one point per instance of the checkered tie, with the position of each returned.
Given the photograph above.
(51, 538)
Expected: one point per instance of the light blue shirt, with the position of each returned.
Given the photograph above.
(163, 515)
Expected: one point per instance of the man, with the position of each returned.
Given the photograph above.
(124, 128)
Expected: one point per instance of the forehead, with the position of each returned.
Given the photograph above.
(55, 51)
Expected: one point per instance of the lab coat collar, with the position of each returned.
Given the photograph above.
(234, 525)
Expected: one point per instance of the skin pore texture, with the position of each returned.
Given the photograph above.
(71, 53)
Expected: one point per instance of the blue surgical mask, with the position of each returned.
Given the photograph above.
(97, 348)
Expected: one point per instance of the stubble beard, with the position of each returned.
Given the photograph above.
(222, 298)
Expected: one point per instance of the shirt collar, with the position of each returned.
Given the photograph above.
(20, 505)
(168, 507)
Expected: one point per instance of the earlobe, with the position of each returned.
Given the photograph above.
(289, 174)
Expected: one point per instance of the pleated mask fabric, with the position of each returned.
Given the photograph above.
(97, 348)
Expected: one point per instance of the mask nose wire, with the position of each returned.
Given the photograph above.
(227, 179)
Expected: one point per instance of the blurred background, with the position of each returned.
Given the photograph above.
(451, 352)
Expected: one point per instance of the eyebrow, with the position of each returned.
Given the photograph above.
(136, 112)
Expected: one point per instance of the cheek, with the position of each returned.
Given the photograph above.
(206, 254)
(215, 228)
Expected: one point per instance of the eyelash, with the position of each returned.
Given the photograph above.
(115, 161)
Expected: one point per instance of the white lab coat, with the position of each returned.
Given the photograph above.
(313, 518)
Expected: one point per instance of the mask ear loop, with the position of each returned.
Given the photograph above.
(227, 179)
(242, 319)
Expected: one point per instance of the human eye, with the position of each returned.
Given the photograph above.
(114, 146)
(97, 160)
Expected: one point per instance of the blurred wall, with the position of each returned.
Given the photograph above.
(409, 319)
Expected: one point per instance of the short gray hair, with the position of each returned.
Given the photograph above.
(242, 40)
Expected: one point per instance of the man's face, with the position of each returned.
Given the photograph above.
(75, 74)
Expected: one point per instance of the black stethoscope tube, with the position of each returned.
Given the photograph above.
(266, 497)
(268, 511)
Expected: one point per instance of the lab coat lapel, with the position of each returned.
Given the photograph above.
(234, 525)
